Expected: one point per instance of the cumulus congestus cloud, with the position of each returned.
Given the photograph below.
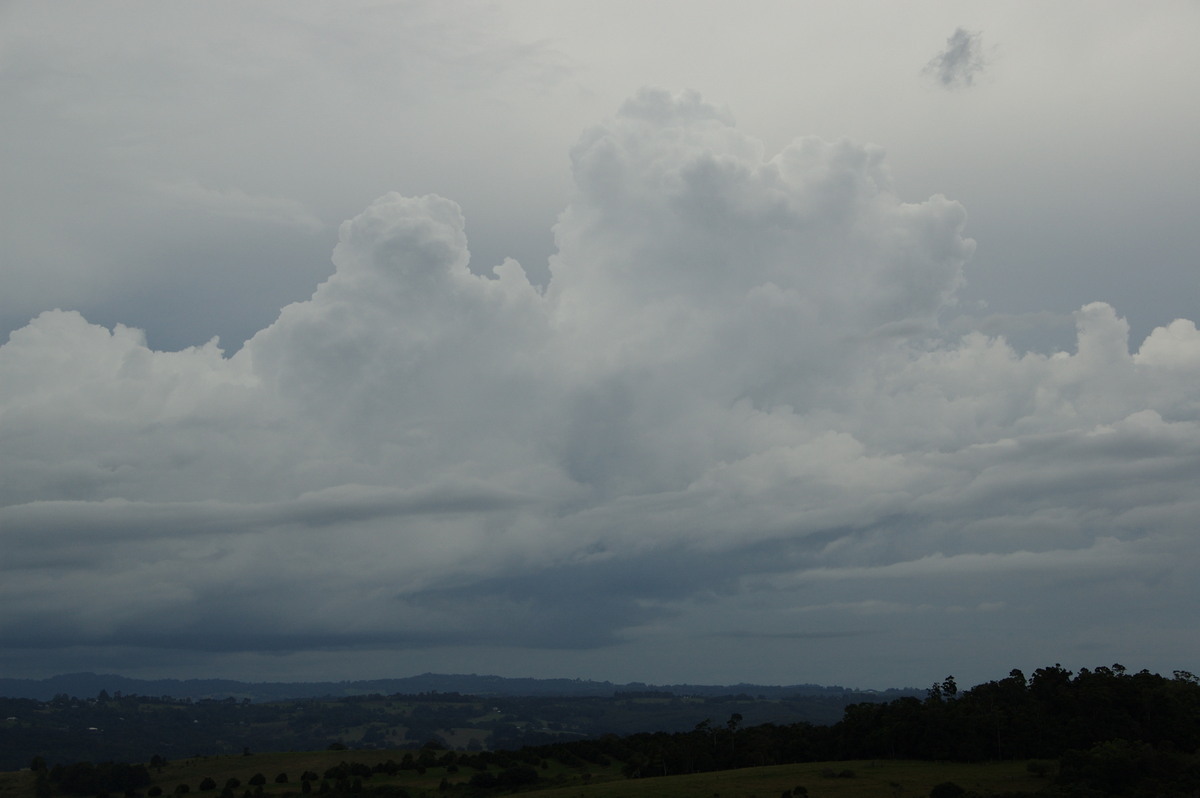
(730, 412)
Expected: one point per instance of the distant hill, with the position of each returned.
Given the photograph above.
(88, 685)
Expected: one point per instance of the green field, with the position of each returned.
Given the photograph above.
(870, 779)
(880, 779)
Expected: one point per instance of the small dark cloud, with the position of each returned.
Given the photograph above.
(960, 62)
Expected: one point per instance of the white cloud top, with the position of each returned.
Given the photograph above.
(730, 414)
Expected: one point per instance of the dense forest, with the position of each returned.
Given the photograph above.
(1106, 721)
(1101, 732)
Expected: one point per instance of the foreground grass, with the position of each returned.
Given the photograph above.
(16, 785)
(879, 779)
(870, 779)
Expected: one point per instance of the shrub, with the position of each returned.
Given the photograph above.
(947, 789)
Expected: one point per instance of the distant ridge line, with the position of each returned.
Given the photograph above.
(89, 685)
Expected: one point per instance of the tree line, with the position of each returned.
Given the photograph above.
(1108, 732)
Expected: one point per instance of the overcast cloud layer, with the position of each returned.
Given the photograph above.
(746, 423)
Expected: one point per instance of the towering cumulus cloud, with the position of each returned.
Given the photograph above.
(730, 416)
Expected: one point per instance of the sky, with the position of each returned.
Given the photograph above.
(843, 343)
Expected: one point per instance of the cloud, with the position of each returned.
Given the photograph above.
(237, 204)
(961, 61)
(178, 175)
(732, 413)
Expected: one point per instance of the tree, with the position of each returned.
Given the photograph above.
(947, 688)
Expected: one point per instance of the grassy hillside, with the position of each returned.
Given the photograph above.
(869, 779)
